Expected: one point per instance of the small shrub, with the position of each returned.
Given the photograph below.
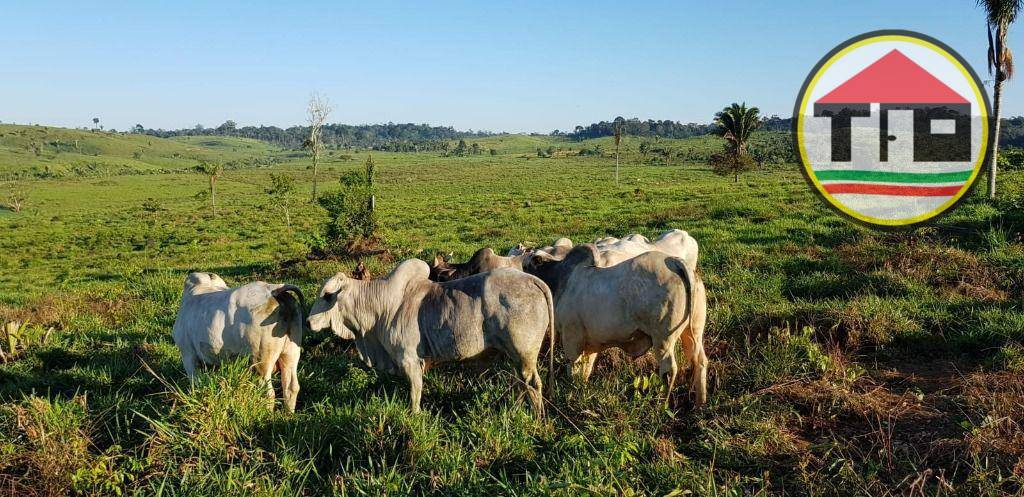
(732, 164)
(15, 201)
(16, 338)
(1011, 358)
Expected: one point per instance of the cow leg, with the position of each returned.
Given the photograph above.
(412, 368)
(531, 381)
(265, 369)
(288, 363)
(572, 347)
(665, 352)
(587, 365)
(700, 377)
(697, 357)
(189, 361)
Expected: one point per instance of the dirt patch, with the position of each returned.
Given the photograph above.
(955, 271)
(994, 405)
(58, 310)
(926, 419)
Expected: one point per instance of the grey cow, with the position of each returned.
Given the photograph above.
(404, 322)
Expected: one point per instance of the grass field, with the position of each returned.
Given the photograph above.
(843, 361)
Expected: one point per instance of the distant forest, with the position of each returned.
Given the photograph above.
(410, 137)
(394, 137)
(662, 129)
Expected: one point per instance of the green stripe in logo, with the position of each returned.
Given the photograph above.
(889, 177)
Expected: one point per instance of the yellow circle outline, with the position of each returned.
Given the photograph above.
(979, 101)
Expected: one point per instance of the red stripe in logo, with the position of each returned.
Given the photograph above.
(901, 190)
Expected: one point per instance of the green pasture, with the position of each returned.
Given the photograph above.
(844, 361)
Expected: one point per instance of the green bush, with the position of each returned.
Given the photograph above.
(350, 211)
(1011, 159)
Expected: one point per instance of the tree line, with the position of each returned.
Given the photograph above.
(390, 136)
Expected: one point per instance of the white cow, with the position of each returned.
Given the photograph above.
(676, 243)
(260, 320)
(647, 302)
(558, 249)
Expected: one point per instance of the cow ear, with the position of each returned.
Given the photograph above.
(536, 258)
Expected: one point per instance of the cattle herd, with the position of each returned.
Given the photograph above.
(629, 293)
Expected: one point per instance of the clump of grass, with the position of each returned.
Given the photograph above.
(1010, 357)
(215, 414)
(783, 356)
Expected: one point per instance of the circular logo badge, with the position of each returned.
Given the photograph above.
(892, 128)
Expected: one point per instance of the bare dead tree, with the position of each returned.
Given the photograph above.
(317, 112)
(618, 138)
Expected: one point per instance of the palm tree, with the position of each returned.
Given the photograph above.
(736, 123)
(213, 171)
(1000, 14)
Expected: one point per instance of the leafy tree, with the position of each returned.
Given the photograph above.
(96, 123)
(227, 127)
(460, 149)
(212, 170)
(281, 188)
(494, 152)
(1000, 14)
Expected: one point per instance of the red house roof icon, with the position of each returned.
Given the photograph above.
(893, 79)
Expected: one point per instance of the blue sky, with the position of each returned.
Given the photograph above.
(524, 66)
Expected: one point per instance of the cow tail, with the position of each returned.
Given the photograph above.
(279, 293)
(679, 267)
(550, 388)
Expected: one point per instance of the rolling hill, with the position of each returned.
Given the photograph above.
(47, 152)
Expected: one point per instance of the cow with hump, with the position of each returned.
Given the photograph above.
(647, 302)
(404, 322)
(260, 320)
